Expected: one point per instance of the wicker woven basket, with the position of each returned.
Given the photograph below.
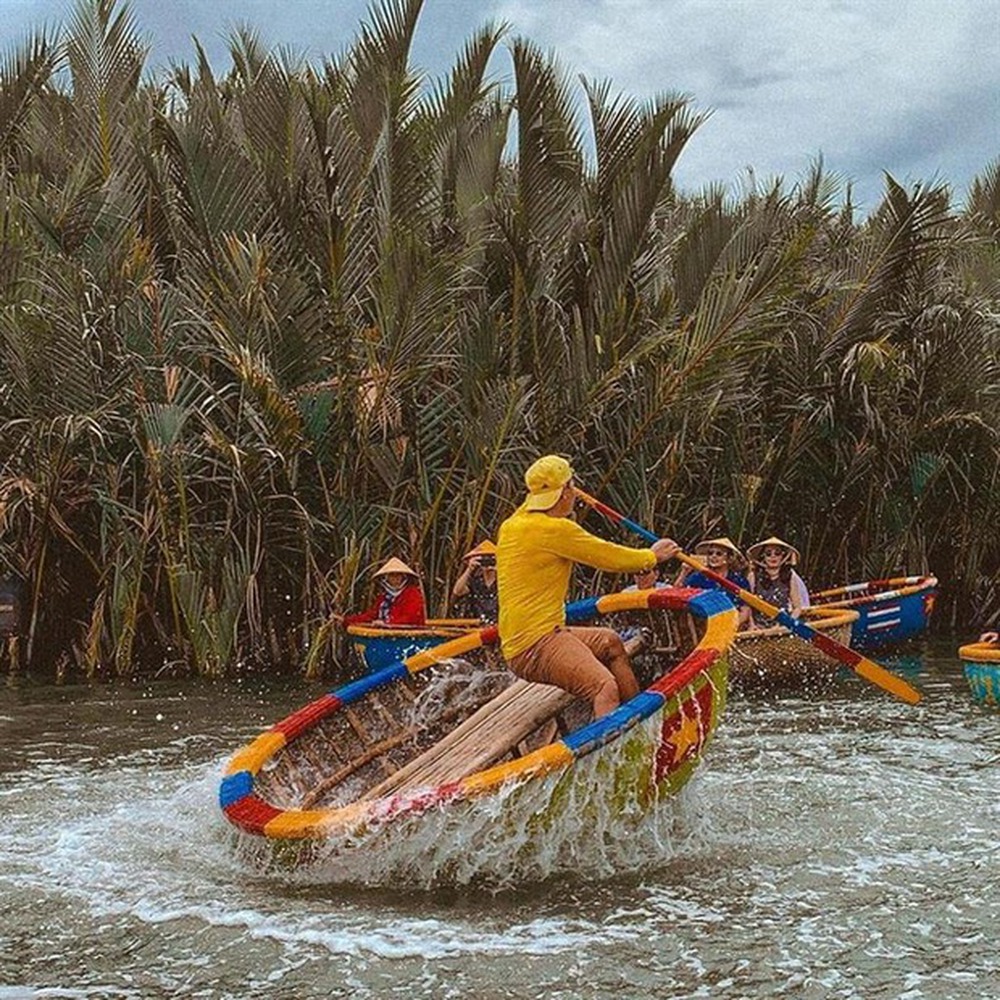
(773, 658)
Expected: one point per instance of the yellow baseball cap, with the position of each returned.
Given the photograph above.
(545, 480)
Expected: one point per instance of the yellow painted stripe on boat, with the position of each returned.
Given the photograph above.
(549, 758)
(980, 652)
(343, 817)
(295, 823)
(720, 630)
(252, 756)
(632, 600)
(445, 651)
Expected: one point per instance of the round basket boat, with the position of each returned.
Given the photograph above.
(981, 662)
(773, 658)
(433, 732)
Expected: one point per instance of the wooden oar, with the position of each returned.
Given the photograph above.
(861, 665)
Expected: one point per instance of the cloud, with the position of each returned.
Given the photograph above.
(872, 85)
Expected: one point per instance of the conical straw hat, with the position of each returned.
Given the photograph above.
(723, 543)
(394, 565)
(484, 548)
(754, 552)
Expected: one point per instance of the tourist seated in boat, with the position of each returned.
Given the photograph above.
(723, 557)
(401, 601)
(774, 578)
(537, 547)
(476, 586)
(647, 579)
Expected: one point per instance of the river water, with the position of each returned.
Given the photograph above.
(843, 845)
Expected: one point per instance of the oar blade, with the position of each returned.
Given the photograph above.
(861, 665)
(887, 680)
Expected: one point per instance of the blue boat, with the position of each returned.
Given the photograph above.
(376, 645)
(981, 662)
(889, 611)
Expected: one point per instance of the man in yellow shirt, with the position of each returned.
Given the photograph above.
(537, 547)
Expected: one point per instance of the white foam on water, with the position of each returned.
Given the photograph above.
(835, 848)
(130, 841)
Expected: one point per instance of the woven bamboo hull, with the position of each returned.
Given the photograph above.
(430, 733)
(775, 659)
(889, 611)
(981, 664)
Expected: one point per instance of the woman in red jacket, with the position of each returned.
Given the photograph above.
(401, 601)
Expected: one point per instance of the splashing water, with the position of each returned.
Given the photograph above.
(575, 821)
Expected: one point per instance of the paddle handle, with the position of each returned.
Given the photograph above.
(614, 516)
(868, 669)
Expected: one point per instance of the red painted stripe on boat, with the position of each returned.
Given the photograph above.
(251, 813)
(307, 717)
(685, 672)
(417, 801)
(672, 598)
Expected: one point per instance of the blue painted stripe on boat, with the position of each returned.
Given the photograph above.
(623, 717)
(234, 787)
(711, 602)
(582, 611)
(359, 688)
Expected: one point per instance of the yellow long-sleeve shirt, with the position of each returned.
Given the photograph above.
(535, 556)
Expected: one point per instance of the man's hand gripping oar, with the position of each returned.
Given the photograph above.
(861, 665)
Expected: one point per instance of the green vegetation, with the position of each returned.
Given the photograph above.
(260, 331)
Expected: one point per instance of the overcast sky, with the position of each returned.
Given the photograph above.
(911, 87)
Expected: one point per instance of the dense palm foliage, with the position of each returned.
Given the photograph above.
(260, 331)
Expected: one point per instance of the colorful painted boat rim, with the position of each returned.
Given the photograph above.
(980, 652)
(252, 814)
(445, 627)
(379, 645)
(823, 618)
(854, 594)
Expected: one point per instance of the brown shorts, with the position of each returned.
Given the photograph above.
(579, 660)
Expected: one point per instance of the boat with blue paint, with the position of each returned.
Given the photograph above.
(377, 645)
(890, 612)
(981, 664)
(437, 731)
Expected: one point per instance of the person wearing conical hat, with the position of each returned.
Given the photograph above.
(537, 547)
(476, 585)
(775, 580)
(723, 557)
(401, 601)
